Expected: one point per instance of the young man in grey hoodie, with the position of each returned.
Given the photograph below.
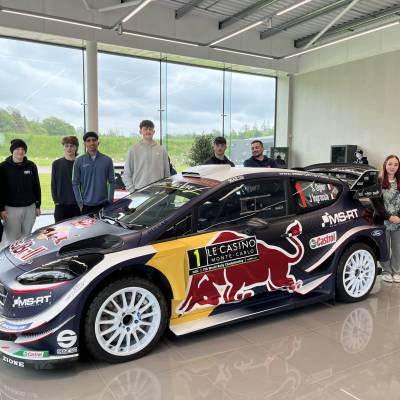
(147, 161)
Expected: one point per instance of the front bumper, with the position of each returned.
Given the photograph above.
(21, 356)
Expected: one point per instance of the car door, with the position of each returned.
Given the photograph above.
(239, 232)
(311, 199)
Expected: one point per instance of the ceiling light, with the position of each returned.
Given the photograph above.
(236, 33)
(136, 10)
(64, 21)
(379, 28)
(244, 53)
(159, 38)
(293, 7)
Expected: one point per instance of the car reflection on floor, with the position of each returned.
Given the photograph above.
(326, 352)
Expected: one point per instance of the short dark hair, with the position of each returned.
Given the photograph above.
(146, 123)
(258, 141)
(219, 140)
(70, 140)
(89, 134)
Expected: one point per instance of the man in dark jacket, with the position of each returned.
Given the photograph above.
(219, 157)
(258, 160)
(61, 181)
(21, 194)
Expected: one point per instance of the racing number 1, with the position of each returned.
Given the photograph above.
(197, 254)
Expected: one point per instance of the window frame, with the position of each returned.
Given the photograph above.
(286, 189)
(292, 189)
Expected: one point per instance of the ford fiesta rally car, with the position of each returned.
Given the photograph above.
(203, 248)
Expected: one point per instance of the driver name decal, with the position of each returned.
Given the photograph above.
(222, 255)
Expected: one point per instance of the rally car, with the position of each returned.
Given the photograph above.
(203, 248)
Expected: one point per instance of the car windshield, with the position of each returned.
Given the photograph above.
(150, 205)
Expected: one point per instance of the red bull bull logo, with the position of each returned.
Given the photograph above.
(83, 223)
(233, 265)
(57, 235)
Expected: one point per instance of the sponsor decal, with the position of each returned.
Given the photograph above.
(16, 363)
(236, 179)
(10, 326)
(377, 232)
(23, 250)
(270, 270)
(341, 217)
(222, 255)
(31, 301)
(75, 290)
(66, 339)
(56, 234)
(32, 354)
(83, 223)
(72, 350)
(323, 240)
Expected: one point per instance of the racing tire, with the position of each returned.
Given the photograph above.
(125, 320)
(356, 273)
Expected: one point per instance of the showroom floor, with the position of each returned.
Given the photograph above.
(347, 351)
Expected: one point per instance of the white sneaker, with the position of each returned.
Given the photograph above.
(396, 278)
(387, 277)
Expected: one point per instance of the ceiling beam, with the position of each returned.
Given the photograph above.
(332, 23)
(350, 26)
(245, 12)
(304, 18)
(180, 12)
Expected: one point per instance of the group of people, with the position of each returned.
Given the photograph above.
(79, 185)
(85, 184)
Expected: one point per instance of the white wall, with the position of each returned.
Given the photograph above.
(353, 103)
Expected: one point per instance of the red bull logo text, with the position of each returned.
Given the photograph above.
(233, 265)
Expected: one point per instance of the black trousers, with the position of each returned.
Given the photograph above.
(93, 209)
(66, 211)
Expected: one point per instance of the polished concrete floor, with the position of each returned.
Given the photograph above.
(346, 351)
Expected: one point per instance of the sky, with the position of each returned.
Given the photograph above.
(43, 80)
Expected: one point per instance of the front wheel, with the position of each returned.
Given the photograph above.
(356, 273)
(125, 320)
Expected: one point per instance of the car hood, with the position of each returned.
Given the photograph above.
(82, 234)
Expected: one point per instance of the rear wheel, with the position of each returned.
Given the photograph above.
(125, 320)
(356, 273)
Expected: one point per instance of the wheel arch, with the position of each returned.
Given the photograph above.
(133, 270)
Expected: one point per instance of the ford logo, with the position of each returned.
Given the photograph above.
(377, 232)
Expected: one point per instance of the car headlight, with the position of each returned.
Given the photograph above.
(61, 270)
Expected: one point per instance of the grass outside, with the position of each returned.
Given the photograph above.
(47, 201)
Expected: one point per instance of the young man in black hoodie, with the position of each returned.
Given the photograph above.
(61, 181)
(20, 193)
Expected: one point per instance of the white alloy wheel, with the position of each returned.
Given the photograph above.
(127, 321)
(359, 273)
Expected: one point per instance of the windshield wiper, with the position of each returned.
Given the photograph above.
(115, 220)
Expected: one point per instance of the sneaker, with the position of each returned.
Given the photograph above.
(396, 278)
(387, 277)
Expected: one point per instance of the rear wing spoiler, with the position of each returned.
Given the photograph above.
(362, 179)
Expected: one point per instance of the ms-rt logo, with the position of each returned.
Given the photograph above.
(338, 218)
(31, 301)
